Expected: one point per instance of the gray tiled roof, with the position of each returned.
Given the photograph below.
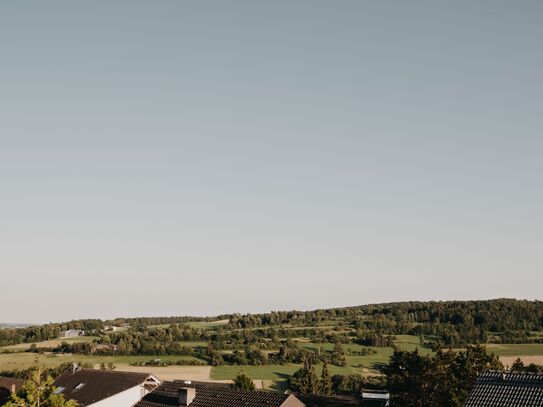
(311, 400)
(209, 395)
(97, 384)
(495, 389)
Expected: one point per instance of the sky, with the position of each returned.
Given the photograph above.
(209, 157)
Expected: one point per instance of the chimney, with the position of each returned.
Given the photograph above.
(75, 368)
(13, 388)
(186, 396)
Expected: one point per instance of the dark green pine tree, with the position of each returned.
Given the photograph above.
(326, 381)
(308, 380)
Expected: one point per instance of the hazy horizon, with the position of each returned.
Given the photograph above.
(203, 158)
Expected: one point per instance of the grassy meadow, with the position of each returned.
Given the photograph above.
(48, 344)
(24, 360)
(530, 349)
(198, 324)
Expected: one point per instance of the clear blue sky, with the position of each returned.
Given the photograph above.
(197, 157)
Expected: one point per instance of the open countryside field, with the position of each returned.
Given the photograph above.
(48, 344)
(266, 376)
(198, 324)
(24, 360)
(528, 353)
(208, 325)
(270, 375)
(531, 349)
(509, 360)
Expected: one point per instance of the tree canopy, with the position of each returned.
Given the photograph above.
(442, 379)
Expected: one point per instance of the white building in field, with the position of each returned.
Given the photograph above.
(71, 333)
(105, 388)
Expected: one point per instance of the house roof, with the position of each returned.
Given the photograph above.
(212, 395)
(329, 401)
(88, 386)
(8, 382)
(369, 398)
(6, 385)
(495, 389)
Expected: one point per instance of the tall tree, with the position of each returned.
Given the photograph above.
(326, 380)
(305, 380)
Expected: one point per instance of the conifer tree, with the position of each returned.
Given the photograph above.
(308, 383)
(326, 381)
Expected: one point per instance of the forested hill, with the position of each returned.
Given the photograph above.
(494, 315)
(446, 322)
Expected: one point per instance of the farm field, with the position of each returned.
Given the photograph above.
(531, 349)
(268, 376)
(208, 324)
(48, 344)
(271, 377)
(24, 360)
(198, 324)
(194, 344)
(509, 360)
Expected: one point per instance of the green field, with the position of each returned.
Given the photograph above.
(18, 360)
(532, 349)
(194, 344)
(49, 344)
(197, 324)
(208, 324)
(355, 364)
(272, 376)
(24, 360)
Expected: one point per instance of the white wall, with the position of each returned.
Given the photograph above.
(126, 398)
